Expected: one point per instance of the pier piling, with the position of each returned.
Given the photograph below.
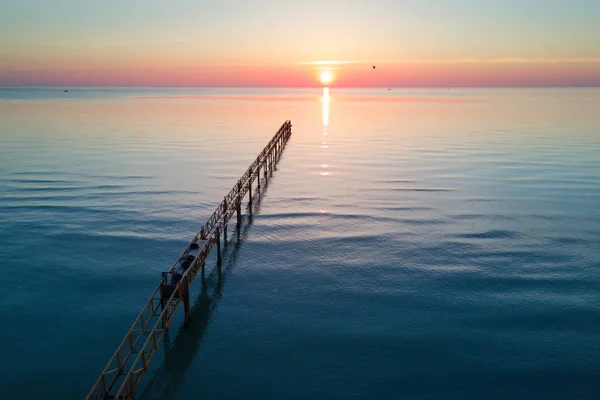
(186, 306)
(250, 194)
(218, 239)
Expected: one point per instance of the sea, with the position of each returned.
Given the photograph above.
(438, 243)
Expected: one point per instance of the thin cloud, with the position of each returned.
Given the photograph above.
(329, 62)
(146, 42)
(505, 60)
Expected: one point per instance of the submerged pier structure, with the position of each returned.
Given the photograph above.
(124, 371)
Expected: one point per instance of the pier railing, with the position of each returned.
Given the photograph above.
(124, 371)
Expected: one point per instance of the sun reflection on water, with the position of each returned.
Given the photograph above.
(325, 100)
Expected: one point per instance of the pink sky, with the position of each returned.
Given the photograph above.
(413, 74)
(271, 43)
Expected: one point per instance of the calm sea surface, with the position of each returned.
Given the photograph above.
(413, 244)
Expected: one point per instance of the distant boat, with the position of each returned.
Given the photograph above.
(66, 90)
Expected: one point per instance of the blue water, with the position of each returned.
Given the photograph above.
(419, 244)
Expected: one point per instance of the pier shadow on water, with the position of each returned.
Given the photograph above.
(180, 352)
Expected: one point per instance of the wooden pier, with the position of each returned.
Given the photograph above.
(124, 371)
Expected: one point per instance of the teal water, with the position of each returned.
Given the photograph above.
(419, 244)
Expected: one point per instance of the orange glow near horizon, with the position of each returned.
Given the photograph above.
(408, 74)
(326, 43)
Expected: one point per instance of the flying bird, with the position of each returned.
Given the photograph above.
(373, 67)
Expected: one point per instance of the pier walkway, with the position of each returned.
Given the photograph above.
(124, 371)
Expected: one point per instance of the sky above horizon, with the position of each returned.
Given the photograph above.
(278, 43)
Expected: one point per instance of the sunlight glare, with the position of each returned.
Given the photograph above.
(326, 77)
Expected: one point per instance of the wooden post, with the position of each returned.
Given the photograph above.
(187, 318)
(250, 193)
(163, 296)
(258, 177)
(225, 233)
(239, 213)
(218, 236)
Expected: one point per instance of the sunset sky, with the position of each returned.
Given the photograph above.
(278, 43)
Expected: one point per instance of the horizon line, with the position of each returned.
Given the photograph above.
(299, 87)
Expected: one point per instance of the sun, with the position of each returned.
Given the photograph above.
(326, 77)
